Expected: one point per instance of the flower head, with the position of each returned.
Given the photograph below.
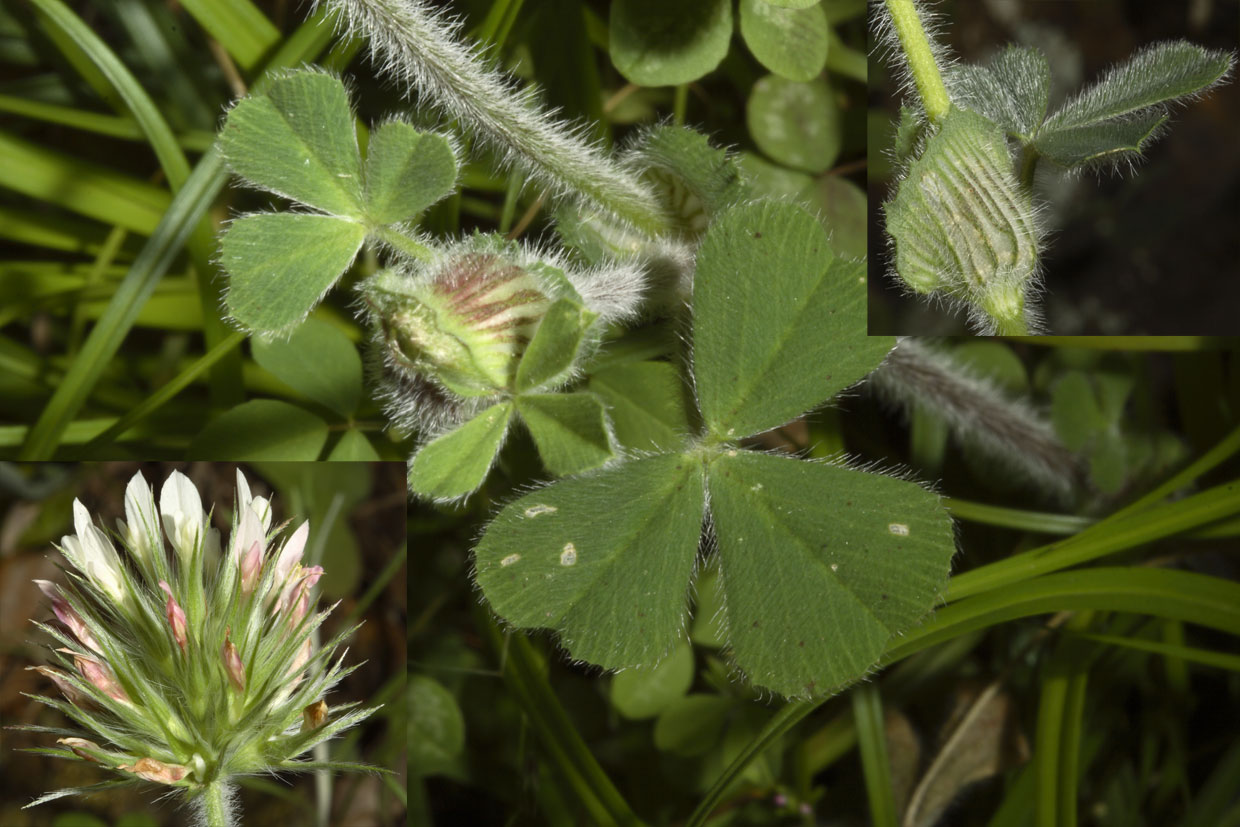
(180, 653)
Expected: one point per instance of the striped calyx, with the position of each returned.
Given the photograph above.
(465, 320)
(960, 222)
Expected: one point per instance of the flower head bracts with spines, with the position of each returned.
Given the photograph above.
(191, 666)
(420, 47)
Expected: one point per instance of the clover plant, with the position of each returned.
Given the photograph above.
(963, 224)
(821, 563)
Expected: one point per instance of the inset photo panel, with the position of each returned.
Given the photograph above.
(1053, 168)
(203, 643)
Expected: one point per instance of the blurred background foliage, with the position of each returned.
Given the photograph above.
(356, 514)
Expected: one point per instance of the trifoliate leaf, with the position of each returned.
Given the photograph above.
(668, 42)
(406, 172)
(456, 463)
(319, 362)
(605, 559)
(261, 429)
(552, 352)
(646, 401)
(570, 430)
(296, 139)
(1156, 75)
(647, 691)
(1012, 89)
(281, 264)
(821, 565)
(792, 43)
(779, 320)
(796, 124)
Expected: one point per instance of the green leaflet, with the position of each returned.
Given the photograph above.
(552, 352)
(646, 402)
(281, 264)
(456, 463)
(779, 320)
(605, 559)
(645, 692)
(406, 172)
(855, 558)
(1073, 147)
(792, 43)
(436, 725)
(667, 42)
(296, 139)
(793, 4)
(570, 430)
(1012, 90)
(319, 362)
(353, 446)
(1154, 76)
(261, 429)
(796, 124)
(693, 179)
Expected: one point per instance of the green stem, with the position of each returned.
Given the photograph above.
(916, 46)
(215, 804)
(680, 104)
(1013, 326)
(1028, 166)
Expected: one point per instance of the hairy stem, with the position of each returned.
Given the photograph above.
(419, 46)
(216, 805)
(916, 46)
(1010, 326)
(1028, 166)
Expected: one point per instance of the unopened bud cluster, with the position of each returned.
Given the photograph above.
(187, 663)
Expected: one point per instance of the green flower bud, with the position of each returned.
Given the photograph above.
(961, 226)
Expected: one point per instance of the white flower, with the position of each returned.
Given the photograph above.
(92, 554)
(185, 523)
(260, 505)
(290, 555)
(140, 528)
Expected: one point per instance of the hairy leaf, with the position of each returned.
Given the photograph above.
(296, 139)
(667, 42)
(1012, 89)
(791, 43)
(281, 264)
(570, 430)
(821, 565)
(646, 401)
(605, 559)
(553, 350)
(779, 320)
(1110, 140)
(456, 463)
(406, 172)
(1156, 75)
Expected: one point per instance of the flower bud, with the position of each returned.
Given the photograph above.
(141, 525)
(313, 716)
(176, 617)
(82, 748)
(290, 555)
(65, 614)
(92, 554)
(99, 675)
(156, 771)
(251, 567)
(232, 663)
(185, 523)
(67, 689)
(961, 225)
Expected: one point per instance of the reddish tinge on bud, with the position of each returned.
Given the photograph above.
(232, 663)
(100, 676)
(176, 617)
(81, 747)
(251, 567)
(66, 615)
(156, 771)
(67, 689)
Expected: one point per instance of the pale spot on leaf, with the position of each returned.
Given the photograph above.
(568, 556)
(510, 559)
(898, 529)
(539, 510)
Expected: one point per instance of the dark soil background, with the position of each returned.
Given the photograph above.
(1157, 253)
